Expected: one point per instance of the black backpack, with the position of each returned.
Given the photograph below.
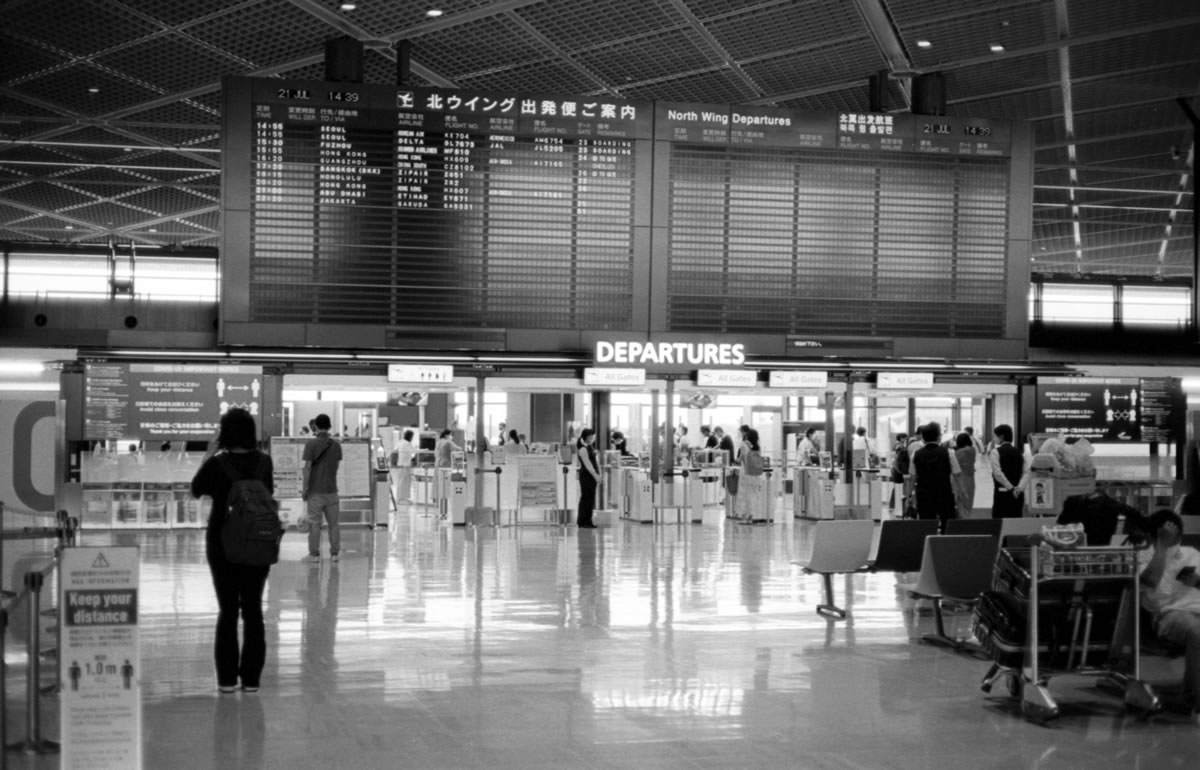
(252, 528)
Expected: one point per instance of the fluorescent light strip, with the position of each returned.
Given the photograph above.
(22, 367)
(914, 366)
(301, 356)
(531, 360)
(999, 367)
(155, 354)
(354, 395)
(424, 359)
(46, 387)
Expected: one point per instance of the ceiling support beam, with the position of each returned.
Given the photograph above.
(1064, 79)
(887, 39)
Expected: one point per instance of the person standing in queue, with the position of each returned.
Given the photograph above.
(724, 443)
(899, 470)
(322, 456)
(964, 482)
(807, 450)
(513, 446)
(403, 464)
(933, 468)
(233, 453)
(589, 478)
(1008, 475)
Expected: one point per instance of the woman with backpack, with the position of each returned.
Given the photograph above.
(233, 456)
(749, 504)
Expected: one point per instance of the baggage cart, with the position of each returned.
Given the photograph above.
(1079, 614)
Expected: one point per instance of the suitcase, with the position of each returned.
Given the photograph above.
(999, 625)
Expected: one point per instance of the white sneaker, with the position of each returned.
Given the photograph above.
(310, 559)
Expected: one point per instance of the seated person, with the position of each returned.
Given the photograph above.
(1171, 592)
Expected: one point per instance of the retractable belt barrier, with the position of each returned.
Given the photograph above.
(475, 515)
(66, 535)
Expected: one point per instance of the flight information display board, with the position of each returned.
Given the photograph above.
(378, 216)
(855, 224)
(403, 208)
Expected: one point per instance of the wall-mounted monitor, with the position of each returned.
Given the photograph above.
(165, 401)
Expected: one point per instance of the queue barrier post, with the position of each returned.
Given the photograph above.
(33, 743)
(475, 515)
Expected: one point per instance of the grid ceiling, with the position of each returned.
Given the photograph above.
(1100, 80)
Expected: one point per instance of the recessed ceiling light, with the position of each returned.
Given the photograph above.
(996, 48)
(433, 13)
(70, 227)
(153, 230)
(924, 44)
(93, 90)
(347, 6)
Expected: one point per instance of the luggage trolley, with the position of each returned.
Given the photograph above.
(1081, 615)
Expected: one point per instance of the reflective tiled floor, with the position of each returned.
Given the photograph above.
(637, 646)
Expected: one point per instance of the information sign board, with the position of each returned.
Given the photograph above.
(99, 658)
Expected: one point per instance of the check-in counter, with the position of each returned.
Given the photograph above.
(637, 503)
(813, 492)
(867, 491)
(452, 496)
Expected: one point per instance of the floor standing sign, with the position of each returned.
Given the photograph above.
(99, 664)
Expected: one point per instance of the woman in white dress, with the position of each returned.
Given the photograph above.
(402, 467)
(749, 504)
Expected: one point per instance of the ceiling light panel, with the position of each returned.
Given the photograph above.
(531, 78)
(761, 32)
(1175, 45)
(959, 27)
(849, 99)
(576, 27)
(720, 87)
(650, 57)
(1034, 104)
(267, 33)
(68, 88)
(492, 43)
(171, 61)
(1035, 70)
(846, 61)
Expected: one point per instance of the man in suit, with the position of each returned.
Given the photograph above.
(933, 467)
(1008, 475)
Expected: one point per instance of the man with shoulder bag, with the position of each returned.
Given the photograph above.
(322, 456)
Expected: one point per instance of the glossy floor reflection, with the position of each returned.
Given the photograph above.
(636, 646)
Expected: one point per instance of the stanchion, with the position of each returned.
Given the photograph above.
(496, 520)
(562, 516)
(34, 743)
(475, 514)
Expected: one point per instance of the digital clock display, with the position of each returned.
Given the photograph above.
(343, 96)
(977, 130)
